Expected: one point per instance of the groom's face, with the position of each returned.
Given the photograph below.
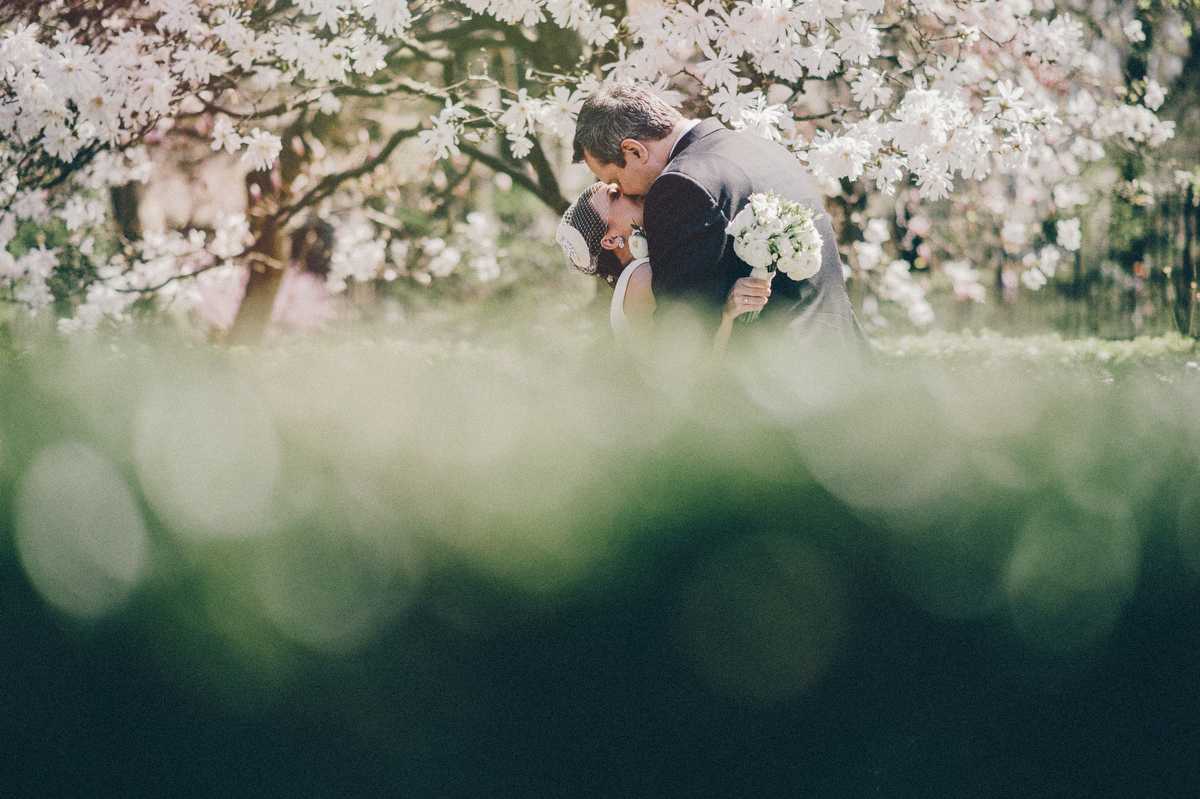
(634, 178)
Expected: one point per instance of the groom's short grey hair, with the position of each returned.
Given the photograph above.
(616, 112)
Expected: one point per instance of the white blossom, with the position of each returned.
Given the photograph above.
(820, 58)
(869, 89)
(262, 148)
(196, 65)
(1154, 96)
(521, 114)
(224, 136)
(177, 16)
(717, 70)
(859, 40)
(392, 17)
(887, 173)
(934, 184)
(837, 157)
(965, 280)
(1033, 278)
(1133, 31)
(559, 110)
(1069, 237)
(441, 139)
(1016, 90)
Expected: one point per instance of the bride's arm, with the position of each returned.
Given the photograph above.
(748, 294)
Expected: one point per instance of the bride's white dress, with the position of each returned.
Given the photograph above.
(616, 312)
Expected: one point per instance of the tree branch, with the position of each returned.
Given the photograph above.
(497, 164)
(329, 183)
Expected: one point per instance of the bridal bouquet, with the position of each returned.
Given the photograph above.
(773, 233)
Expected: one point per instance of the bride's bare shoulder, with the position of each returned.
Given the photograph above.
(641, 275)
(639, 299)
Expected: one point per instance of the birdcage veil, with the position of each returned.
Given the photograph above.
(580, 232)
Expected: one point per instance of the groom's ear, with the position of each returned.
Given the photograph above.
(632, 148)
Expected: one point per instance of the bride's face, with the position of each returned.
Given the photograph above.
(622, 212)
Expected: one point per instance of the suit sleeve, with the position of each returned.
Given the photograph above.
(686, 231)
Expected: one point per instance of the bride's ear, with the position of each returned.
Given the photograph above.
(611, 242)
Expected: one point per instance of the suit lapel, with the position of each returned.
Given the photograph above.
(705, 128)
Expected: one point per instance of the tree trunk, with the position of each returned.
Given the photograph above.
(265, 259)
(254, 314)
(267, 191)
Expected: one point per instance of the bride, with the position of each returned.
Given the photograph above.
(600, 234)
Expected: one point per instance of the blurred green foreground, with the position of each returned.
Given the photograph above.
(497, 567)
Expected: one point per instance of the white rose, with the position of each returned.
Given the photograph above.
(638, 246)
(741, 222)
(803, 266)
(756, 252)
(812, 238)
(785, 247)
(757, 234)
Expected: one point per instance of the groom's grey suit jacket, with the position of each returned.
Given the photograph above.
(707, 181)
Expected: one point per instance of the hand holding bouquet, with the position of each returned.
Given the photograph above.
(773, 233)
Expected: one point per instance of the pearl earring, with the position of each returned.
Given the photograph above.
(620, 241)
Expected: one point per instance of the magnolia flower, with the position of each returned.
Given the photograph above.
(1154, 96)
(1069, 235)
(441, 139)
(763, 118)
(820, 58)
(719, 69)
(694, 25)
(887, 173)
(1033, 279)
(734, 34)
(839, 157)
(367, 53)
(877, 231)
(859, 40)
(178, 16)
(1013, 234)
(521, 145)
(392, 17)
(1048, 260)
(196, 65)
(224, 136)
(520, 115)
(559, 110)
(934, 184)
(868, 89)
(80, 211)
(262, 149)
(965, 280)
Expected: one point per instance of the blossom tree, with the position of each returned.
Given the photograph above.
(989, 110)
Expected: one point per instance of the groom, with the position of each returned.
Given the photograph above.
(694, 177)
